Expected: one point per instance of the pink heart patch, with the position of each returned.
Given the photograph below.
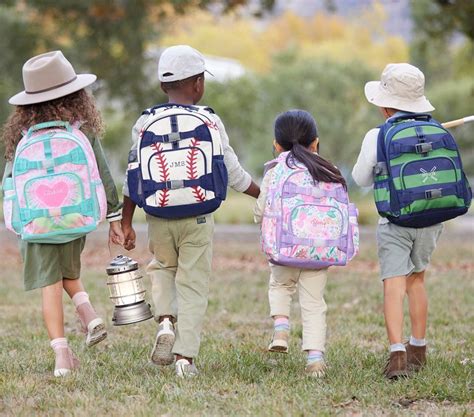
(52, 195)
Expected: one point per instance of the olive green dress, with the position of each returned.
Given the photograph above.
(46, 264)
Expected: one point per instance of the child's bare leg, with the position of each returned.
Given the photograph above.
(394, 293)
(53, 309)
(418, 304)
(73, 286)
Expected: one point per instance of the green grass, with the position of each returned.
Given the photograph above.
(238, 377)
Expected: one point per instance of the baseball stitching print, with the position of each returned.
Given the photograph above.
(191, 170)
(211, 125)
(164, 195)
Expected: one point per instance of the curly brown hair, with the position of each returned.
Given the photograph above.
(75, 107)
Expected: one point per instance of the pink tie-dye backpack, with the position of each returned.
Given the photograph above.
(55, 193)
(306, 224)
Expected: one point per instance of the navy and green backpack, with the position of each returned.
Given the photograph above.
(419, 180)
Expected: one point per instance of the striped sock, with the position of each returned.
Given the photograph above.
(281, 324)
(315, 356)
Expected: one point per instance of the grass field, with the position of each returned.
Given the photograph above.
(238, 377)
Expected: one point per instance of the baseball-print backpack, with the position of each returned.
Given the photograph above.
(179, 169)
(419, 180)
(307, 224)
(55, 193)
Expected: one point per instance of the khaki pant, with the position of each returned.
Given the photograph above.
(311, 283)
(180, 273)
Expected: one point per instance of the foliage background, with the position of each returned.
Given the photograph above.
(319, 63)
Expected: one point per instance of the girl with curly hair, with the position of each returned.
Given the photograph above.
(54, 92)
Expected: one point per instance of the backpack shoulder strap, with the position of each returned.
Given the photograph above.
(274, 162)
(269, 165)
(165, 106)
(208, 109)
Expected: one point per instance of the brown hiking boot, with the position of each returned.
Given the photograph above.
(396, 366)
(416, 357)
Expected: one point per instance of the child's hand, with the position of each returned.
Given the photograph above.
(129, 236)
(253, 190)
(116, 234)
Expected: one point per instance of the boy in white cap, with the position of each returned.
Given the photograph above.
(404, 252)
(182, 247)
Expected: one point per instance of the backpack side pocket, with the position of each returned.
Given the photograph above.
(353, 233)
(11, 211)
(135, 184)
(220, 178)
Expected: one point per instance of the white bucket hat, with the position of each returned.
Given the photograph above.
(49, 76)
(401, 87)
(180, 62)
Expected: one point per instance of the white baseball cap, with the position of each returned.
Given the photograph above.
(180, 62)
(401, 87)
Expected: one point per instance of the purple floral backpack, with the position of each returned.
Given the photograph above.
(306, 224)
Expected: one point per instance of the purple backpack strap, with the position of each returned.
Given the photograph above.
(269, 165)
(274, 162)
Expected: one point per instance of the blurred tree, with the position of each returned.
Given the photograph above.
(255, 44)
(454, 99)
(443, 43)
(18, 41)
(109, 37)
(106, 37)
(332, 92)
(440, 18)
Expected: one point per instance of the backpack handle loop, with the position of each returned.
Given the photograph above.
(416, 116)
(47, 125)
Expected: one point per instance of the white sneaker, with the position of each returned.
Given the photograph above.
(161, 353)
(185, 369)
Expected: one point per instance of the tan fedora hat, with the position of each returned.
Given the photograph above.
(49, 76)
(401, 87)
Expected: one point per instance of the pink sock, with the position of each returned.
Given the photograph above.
(282, 320)
(80, 298)
(59, 343)
(281, 324)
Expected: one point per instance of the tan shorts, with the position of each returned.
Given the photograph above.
(405, 250)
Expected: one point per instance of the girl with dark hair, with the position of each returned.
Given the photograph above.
(295, 131)
(296, 135)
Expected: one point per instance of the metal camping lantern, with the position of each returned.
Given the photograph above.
(127, 291)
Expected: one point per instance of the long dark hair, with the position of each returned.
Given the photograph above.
(295, 131)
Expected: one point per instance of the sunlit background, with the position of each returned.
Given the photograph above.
(267, 56)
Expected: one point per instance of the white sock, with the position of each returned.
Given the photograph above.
(397, 347)
(417, 342)
(59, 343)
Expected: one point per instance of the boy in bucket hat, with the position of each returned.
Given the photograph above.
(404, 252)
(182, 246)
